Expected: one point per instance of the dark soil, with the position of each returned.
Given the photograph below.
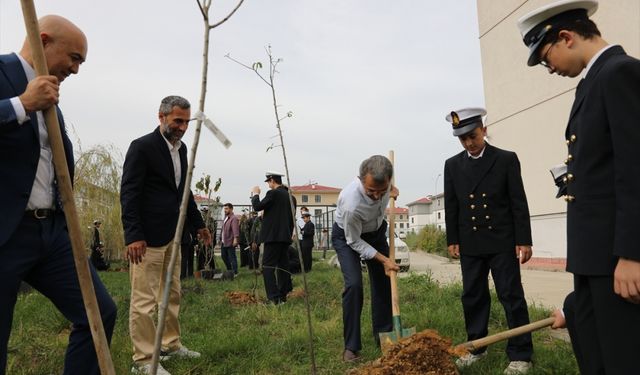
(425, 353)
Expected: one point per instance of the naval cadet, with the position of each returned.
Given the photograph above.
(602, 180)
(488, 227)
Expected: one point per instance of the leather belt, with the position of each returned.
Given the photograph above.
(39, 213)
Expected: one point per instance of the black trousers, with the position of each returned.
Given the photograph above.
(254, 258)
(607, 328)
(275, 271)
(39, 252)
(476, 300)
(352, 295)
(186, 265)
(307, 254)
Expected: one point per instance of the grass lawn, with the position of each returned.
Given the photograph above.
(260, 339)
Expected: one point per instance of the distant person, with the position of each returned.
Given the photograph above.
(34, 240)
(275, 234)
(229, 238)
(245, 227)
(359, 232)
(153, 180)
(306, 244)
(300, 220)
(97, 249)
(255, 242)
(489, 229)
(186, 254)
(603, 178)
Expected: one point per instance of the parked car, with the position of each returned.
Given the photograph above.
(402, 256)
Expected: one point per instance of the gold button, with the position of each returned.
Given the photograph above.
(566, 161)
(564, 179)
(490, 227)
(569, 198)
(471, 196)
(475, 229)
(484, 205)
(487, 217)
(473, 206)
(569, 157)
(473, 218)
(573, 138)
(484, 195)
(570, 177)
(567, 141)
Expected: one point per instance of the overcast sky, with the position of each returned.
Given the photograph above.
(361, 77)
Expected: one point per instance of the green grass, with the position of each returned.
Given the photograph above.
(262, 339)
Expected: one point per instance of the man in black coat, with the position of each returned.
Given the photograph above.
(488, 227)
(34, 240)
(276, 233)
(603, 180)
(306, 244)
(153, 180)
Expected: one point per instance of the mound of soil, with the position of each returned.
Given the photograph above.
(425, 353)
(241, 298)
(296, 293)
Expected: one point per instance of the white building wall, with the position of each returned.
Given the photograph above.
(528, 108)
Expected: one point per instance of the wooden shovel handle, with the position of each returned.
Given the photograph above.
(486, 341)
(395, 300)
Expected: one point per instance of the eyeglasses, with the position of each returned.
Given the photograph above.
(543, 60)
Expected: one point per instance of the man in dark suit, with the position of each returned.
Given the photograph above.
(34, 242)
(153, 180)
(275, 234)
(603, 180)
(488, 227)
(306, 245)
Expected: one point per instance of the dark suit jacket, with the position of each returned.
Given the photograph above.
(149, 197)
(19, 148)
(308, 231)
(603, 137)
(277, 221)
(486, 207)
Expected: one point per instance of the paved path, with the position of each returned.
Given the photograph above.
(547, 288)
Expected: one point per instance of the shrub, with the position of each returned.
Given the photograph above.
(430, 239)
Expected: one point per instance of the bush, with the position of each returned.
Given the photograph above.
(430, 239)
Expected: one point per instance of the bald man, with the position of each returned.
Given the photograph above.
(34, 242)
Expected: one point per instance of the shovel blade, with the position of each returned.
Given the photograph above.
(390, 339)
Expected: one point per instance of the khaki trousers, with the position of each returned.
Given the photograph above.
(147, 286)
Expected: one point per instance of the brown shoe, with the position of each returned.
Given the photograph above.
(349, 356)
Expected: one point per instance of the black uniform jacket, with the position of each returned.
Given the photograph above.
(277, 221)
(149, 197)
(308, 231)
(486, 207)
(603, 169)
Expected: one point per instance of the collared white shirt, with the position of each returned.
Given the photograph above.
(356, 214)
(175, 158)
(42, 189)
(594, 58)
(479, 155)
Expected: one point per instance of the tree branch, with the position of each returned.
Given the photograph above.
(227, 17)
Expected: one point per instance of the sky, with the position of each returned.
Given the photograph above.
(361, 78)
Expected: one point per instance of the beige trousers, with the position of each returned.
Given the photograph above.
(147, 286)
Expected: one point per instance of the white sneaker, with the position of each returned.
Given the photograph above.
(518, 367)
(146, 369)
(183, 352)
(469, 359)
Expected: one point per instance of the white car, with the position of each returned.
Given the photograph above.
(402, 256)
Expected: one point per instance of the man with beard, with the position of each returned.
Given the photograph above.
(153, 180)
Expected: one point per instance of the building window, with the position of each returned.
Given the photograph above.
(438, 215)
(317, 212)
(318, 198)
(411, 220)
(402, 225)
(305, 198)
(400, 217)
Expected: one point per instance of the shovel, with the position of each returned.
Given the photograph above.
(389, 339)
(470, 346)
